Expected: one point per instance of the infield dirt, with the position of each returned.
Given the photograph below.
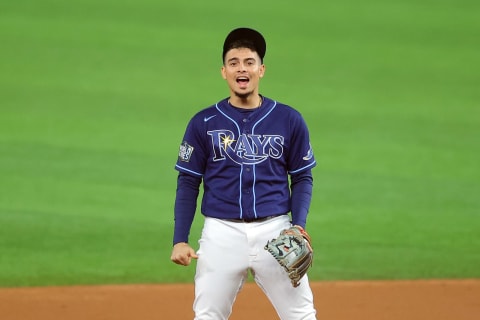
(355, 300)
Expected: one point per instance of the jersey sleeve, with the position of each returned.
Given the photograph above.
(192, 152)
(185, 205)
(301, 185)
(300, 156)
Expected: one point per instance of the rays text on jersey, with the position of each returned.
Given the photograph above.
(246, 148)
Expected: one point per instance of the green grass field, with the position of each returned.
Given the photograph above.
(95, 96)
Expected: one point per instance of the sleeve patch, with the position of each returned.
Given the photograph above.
(185, 152)
(309, 154)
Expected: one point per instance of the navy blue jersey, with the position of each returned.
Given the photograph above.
(244, 157)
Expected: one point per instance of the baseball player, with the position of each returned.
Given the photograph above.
(254, 157)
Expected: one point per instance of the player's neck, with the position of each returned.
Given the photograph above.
(250, 102)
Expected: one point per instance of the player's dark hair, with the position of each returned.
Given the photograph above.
(242, 43)
(245, 38)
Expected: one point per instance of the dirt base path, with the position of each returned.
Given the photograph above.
(356, 300)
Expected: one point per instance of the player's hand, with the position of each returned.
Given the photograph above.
(182, 254)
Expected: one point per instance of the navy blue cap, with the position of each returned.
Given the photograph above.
(245, 37)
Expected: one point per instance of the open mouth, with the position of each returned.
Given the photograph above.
(243, 81)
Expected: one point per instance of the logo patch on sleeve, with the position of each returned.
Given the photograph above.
(185, 152)
(309, 155)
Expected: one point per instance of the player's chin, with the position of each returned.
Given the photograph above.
(243, 94)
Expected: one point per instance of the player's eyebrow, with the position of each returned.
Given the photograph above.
(233, 59)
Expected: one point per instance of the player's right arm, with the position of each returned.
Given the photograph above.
(190, 164)
(188, 187)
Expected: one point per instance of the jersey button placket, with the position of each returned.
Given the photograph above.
(247, 184)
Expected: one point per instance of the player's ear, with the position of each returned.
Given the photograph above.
(262, 70)
(223, 72)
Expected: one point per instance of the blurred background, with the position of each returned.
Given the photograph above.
(95, 96)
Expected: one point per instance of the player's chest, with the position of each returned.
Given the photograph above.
(245, 143)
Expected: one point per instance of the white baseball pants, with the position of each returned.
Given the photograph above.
(227, 251)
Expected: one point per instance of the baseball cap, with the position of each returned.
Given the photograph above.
(245, 36)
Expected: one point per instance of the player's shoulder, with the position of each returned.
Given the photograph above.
(207, 112)
(285, 109)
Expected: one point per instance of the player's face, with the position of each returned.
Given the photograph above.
(243, 69)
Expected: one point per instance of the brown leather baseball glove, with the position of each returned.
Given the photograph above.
(293, 251)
